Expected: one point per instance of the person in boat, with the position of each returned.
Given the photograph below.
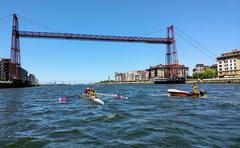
(90, 92)
(195, 89)
(86, 91)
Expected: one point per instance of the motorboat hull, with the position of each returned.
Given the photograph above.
(175, 92)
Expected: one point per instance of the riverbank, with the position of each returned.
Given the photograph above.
(142, 82)
(188, 81)
(214, 80)
(16, 84)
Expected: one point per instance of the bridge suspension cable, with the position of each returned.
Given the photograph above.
(37, 24)
(195, 41)
(196, 44)
(5, 19)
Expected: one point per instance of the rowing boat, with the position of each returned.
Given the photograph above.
(96, 100)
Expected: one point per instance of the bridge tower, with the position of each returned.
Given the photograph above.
(172, 64)
(15, 50)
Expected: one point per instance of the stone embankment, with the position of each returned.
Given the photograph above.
(215, 80)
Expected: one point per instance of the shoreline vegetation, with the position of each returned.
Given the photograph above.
(188, 81)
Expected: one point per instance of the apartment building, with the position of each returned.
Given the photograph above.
(228, 64)
(161, 71)
(200, 68)
(140, 75)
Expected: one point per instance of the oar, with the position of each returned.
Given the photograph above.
(113, 95)
(64, 98)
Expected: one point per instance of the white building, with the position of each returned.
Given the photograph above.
(228, 64)
(140, 75)
(120, 77)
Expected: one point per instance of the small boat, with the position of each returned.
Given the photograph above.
(175, 92)
(96, 100)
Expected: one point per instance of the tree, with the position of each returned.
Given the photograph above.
(208, 73)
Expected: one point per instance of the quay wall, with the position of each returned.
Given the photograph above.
(215, 80)
(188, 81)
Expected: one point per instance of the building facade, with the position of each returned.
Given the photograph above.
(32, 78)
(23, 74)
(120, 77)
(158, 71)
(132, 76)
(5, 70)
(161, 71)
(228, 64)
(200, 68)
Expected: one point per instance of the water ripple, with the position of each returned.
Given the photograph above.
(149, 118)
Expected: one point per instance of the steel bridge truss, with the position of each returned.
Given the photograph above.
(171, 52)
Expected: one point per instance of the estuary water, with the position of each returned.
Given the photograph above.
(33, 117)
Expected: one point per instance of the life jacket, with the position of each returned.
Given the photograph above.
(195, 89)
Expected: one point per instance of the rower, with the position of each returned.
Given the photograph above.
(195, 89)
(90, 92)
(86, 91)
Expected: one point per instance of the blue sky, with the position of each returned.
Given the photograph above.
(214, 24)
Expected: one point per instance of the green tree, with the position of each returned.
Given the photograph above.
(207, 74)
(195, 75)
(107, 81)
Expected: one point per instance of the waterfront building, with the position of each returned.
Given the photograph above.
(5, 70)
(23, 74)
(32, 78)
(228, 64)
(214, 66)
(160, 71)
(120, 77)
(200, 68)
(132, 76)
(1, 71)
(142, 75)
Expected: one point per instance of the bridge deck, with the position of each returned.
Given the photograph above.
(151, 40)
